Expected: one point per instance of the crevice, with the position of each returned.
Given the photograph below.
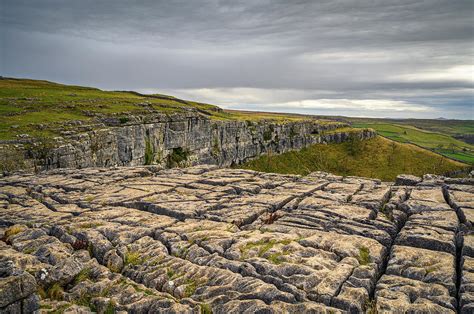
(299, 198)
(459, 236)
(349, 197)
(384, 264)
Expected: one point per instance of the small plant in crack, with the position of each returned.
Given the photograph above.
(364, 256)
(56, 292)
(370, 306)
(133, 258)
(170, 273)
(11, 231)
(271, 218)
(205, 308)
(387, 212)
(191, 286)
(83, 275)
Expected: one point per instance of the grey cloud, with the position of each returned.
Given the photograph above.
(353, 49)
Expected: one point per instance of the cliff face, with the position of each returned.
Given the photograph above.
(189, 140)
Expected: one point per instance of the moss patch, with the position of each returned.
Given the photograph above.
(149, 152)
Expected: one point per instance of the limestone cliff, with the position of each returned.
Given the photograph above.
(190, 139)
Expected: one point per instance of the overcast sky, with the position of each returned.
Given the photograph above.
(355, 57)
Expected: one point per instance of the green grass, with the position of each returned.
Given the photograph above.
(83, 275)
(55, 292)
(133, 258)
(205, 308)
(149, 153)
(15, 229)
(364, 256)
(255, 116)
(448, 127)
(375, 158)
(440, 143)
(41, 108)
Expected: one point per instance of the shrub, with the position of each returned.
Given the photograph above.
(215, 148)
(293, 132)
(11, 159)
(276, 258)
(267, 135)
(85, 299)
(170, 273)
(40, 150)
(177, 157)
(124, 120)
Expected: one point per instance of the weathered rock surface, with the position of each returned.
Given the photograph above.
(206, 239)
(185, 139)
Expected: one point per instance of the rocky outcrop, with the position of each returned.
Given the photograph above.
(206, 239)
(185, 139)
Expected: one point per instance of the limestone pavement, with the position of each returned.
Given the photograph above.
(213, 240)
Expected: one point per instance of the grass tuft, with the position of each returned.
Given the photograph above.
(82, 276)
(15, 229)
(364, 256)
(55, 292)
(205, 308)
(133, 258)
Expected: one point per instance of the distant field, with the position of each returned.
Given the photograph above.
(375, 158)
(449, 127)
(440, 143)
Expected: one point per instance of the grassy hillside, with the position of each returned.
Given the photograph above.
(38, 108)
(42, 109)
(376, 158)
(440, 143)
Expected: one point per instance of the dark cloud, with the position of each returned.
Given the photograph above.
(291, 55)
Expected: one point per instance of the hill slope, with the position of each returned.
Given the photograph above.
(441, 143)
(376, 158)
